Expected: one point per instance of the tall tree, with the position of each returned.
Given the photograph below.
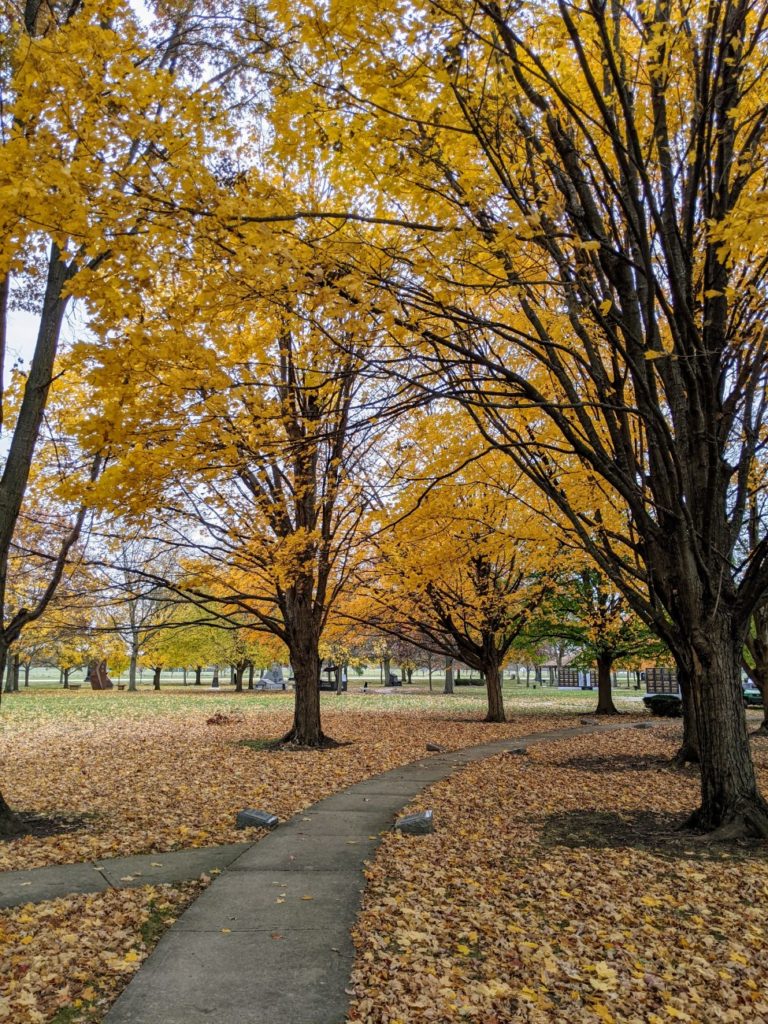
(93, 102)
(464, 562)
(597, 294)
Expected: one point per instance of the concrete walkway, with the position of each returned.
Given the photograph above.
(268, 942)
(38, 884)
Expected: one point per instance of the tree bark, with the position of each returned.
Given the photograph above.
(731, 804)
(605, 705)
(495, 697)
(198, 675)
(10, 823)
(689, 748)
(132, 668)
(239, 673)
(156, 677)
(250, 675)
(27, 667)
(215, 680)
(306, 730)
(448, 676)
(65, 673)
(8, 685)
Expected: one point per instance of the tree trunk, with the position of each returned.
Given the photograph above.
(409, 675)
(184, 676)
(448, 676)
(306, 730)
(66, 677)
(605, 705)
(495, 697)
(731, 804)
(198, 675)
(387, 663)
(239, 672)
(27, 668)
(10, 823)
(132, 669)
(156, 677)
(689, 748)
(8, 685)
(250, 675)
(215, 680)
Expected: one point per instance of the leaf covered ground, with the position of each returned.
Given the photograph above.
(136, 773)
(556, 888)
(67, 959)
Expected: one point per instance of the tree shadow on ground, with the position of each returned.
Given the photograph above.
(661, 834)
(618, 763)
(42, 825)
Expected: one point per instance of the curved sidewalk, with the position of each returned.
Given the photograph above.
(269, 941)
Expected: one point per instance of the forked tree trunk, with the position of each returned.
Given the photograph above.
(731, 804)
(605, 705)
(495, 697)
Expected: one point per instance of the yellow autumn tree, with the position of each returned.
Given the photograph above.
(594, 287)
(461, 559)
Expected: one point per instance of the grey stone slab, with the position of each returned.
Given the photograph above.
(178, 866)
(240, 978)
(269, 901)
(38, 884)
(294, 851)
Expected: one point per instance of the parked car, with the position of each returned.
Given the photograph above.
(666, 705)
(752, 697)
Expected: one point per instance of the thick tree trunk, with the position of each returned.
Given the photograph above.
(250, 675)
(306, 730)
(215, 680)
(495, 697)
(27, 667)
(605, 705)
(239, 672)
(198, 675)
(156, 677)
(8, 685)
(448, 688)
(66, 672)
(731, 804)
(387, 666)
